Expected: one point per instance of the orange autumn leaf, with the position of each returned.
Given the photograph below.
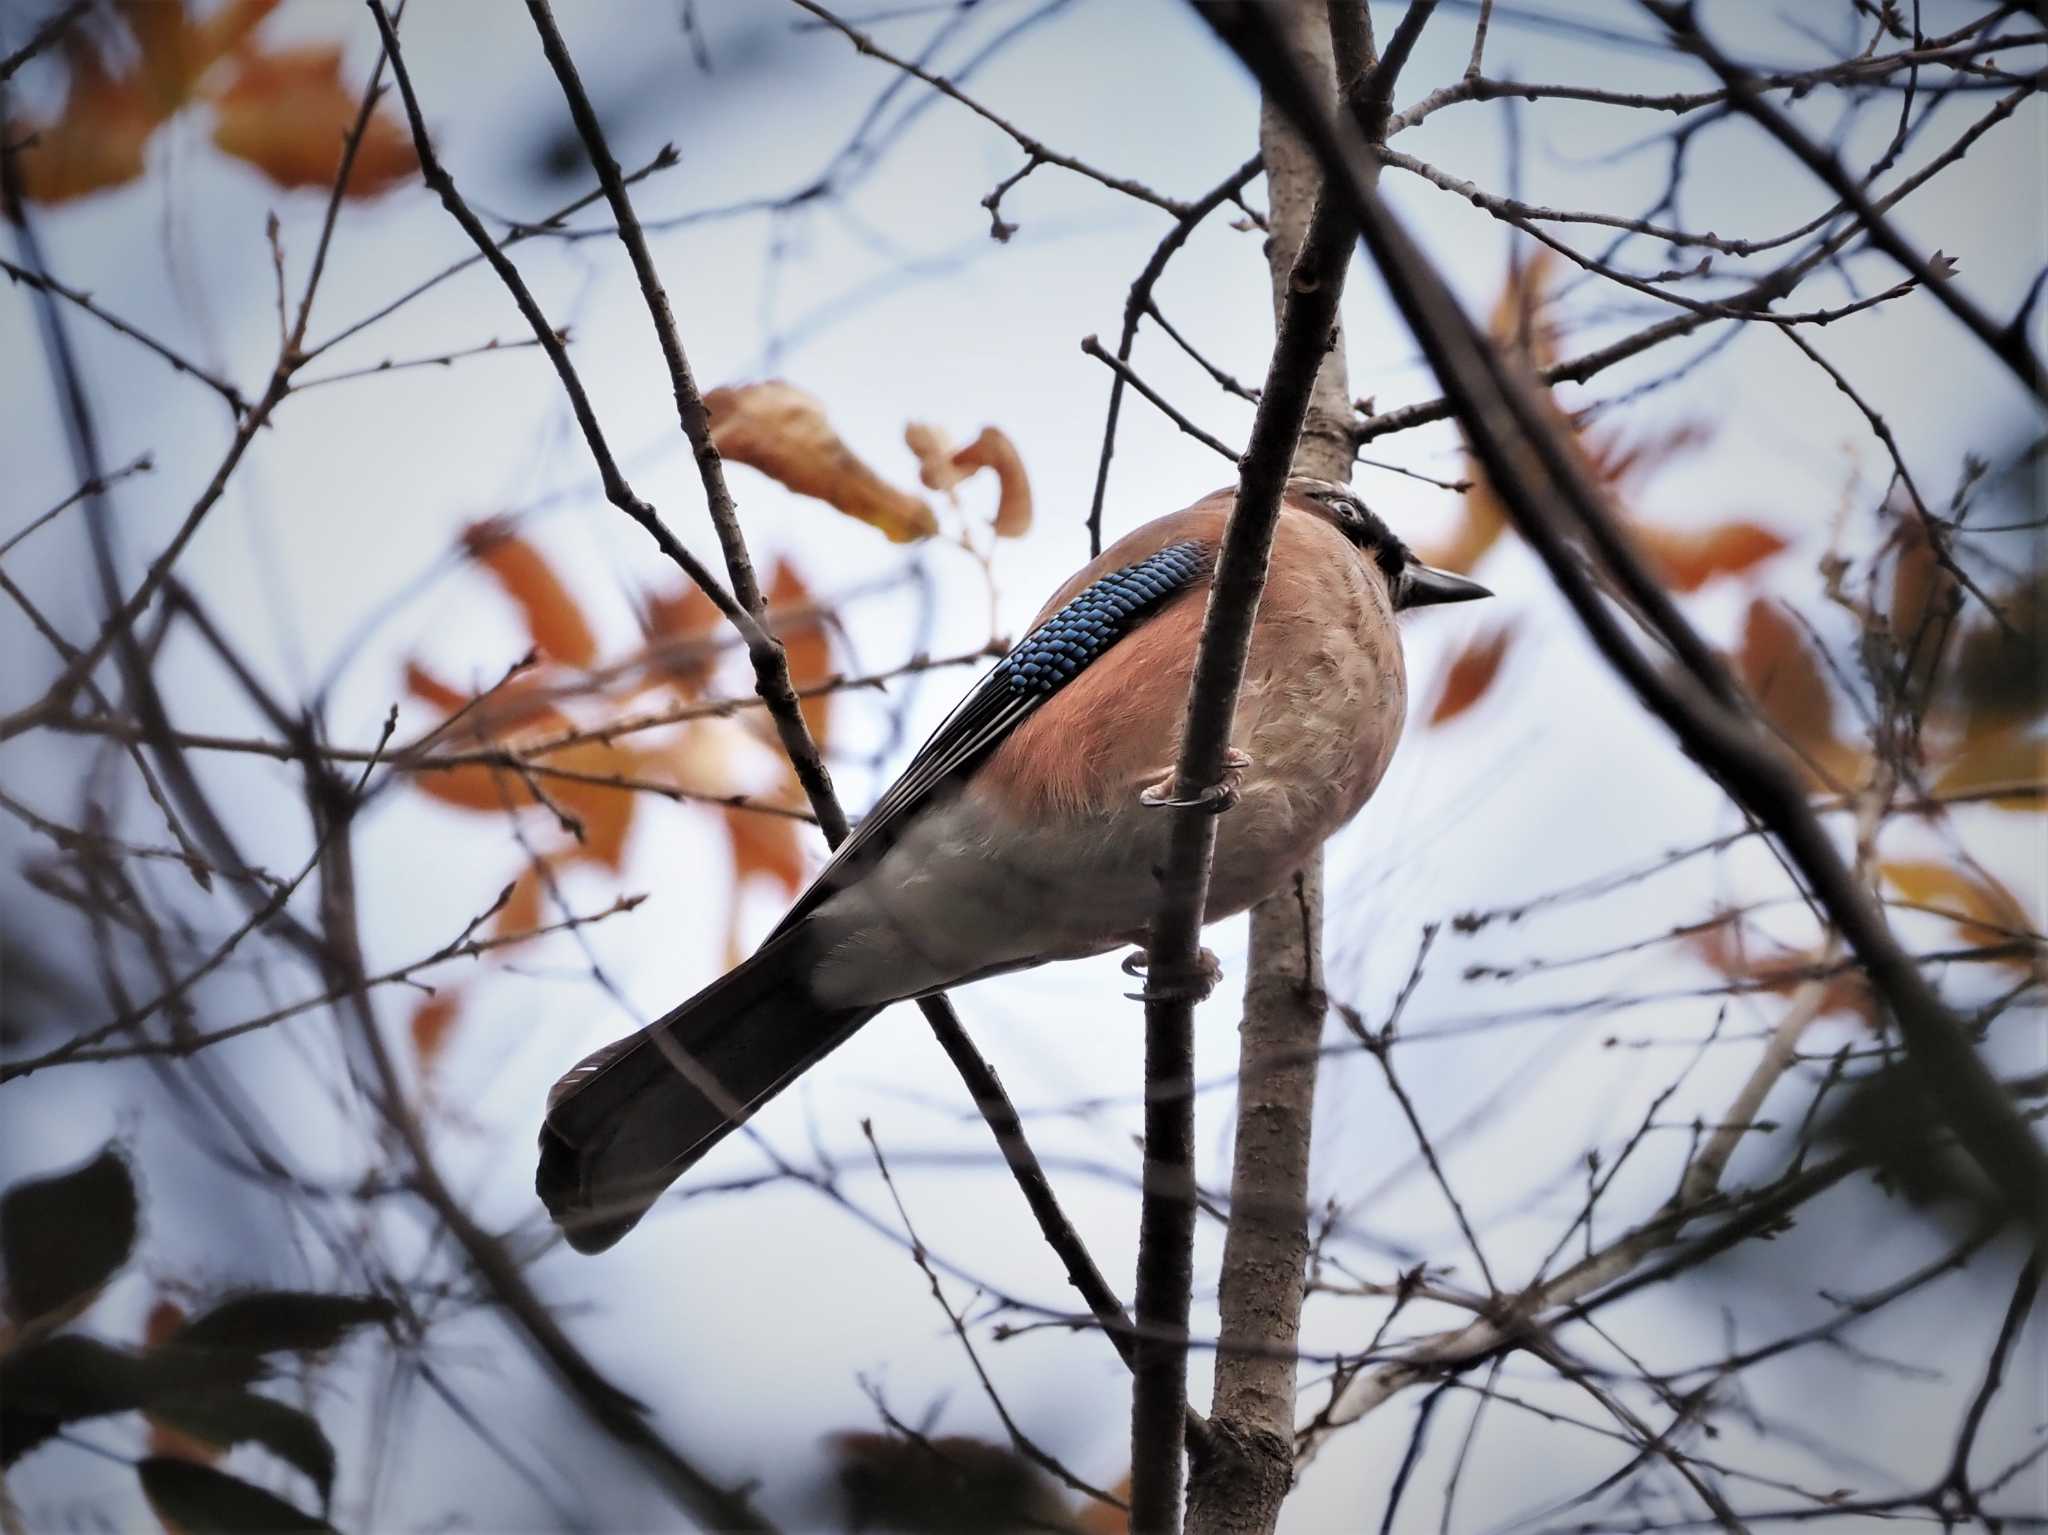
(554, 620)
(1919, 583)
(679, 627)
(1721, 946)
(519, 704)
(474, 786)
(1683, 561)
(1514, 326)
(1983, 910)
(606, 815)
(288, 114)
(521, 912)
(808, 644)
(1999, 759)
(432, 1022)
(1618, 459)
(98, 141)
(778, 429)
(601, 812)
(1784, 675)
(1687, 560)
(428, 688)
(1471, 673)
(766, 845)
(941, 466)
(1480, 524)
(174, 50)
(285, 113)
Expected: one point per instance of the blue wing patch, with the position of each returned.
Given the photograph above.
(1048, 658)
(1097, 617)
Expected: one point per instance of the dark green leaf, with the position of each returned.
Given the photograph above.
(950, 1485)
(63, 1379)
(228, 1417)
(202, 1501)
(62, 1238)
(282, 1321)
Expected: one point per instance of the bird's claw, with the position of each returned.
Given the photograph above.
(1208, 971)
(1215, 799)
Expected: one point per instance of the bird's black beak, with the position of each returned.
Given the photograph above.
(1422, 585)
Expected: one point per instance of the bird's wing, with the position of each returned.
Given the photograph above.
(1047, 658)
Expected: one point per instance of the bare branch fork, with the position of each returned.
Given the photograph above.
(2008, 342)
(1554, 505)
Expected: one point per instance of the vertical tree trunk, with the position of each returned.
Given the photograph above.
(1240, 1482)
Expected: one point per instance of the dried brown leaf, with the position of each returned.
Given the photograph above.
(766, 845)
(556, 623)
(994, 450)
(97, 143)
(1997, 759)
(433, 1021)
(1687, 560)
(288, 113)
(778, 429)
(1982, 908)
(934, 450)
(1722, 947)
(805, 639)
(679, 627)
(1783, 673)
(1471, 673)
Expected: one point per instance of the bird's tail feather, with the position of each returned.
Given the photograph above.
(633, 1117)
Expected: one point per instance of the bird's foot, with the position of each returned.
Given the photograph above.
(1215, 799)
(1208, 971)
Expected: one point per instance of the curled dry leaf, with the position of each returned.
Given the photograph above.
(1471, 673)
(559, 629)
(994, 450)
(934, 450)
(942, 467)
(778, 429)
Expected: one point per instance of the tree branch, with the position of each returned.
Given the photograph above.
(1166, 1222)
(1555, 506)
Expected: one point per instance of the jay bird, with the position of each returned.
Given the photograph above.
(1021, 833)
